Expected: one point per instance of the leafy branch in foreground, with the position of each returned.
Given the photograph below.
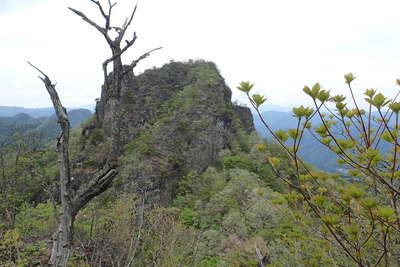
(358, 212)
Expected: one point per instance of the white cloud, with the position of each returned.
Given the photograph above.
(278, 45)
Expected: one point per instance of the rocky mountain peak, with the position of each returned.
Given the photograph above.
(172, 119)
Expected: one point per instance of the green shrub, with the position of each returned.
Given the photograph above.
(36, 221)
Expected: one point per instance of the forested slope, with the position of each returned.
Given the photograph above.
(194, 187)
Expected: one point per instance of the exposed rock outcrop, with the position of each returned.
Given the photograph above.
(173, 120)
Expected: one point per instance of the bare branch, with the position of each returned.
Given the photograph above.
(89, 21)
(97, 3)
(85, 18)
(59, 109)
(110, 7)
(136, 61)
(126, 25)
(100, 184)
(107, 17)
(41, 72)
(126, 47)
(123, 50)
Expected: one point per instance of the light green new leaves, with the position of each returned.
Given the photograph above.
(395, 107)
(245, 87)
(323, 96)
(349, 77)
(282, 135)
(302, 111)
(387, 212)
(326, 140)
(293, 133)
(274, 161)
(378, 101)
(331, 219)
(346, 144)
(261, 147)
(313, 92)
(316, 93)
(258, 99)
(353, 191)
(369, 202)
(386, 136)
(370, 92)
(338, 98)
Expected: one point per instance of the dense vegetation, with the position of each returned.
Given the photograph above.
(359, 214)
(256, 204)
(237, 213)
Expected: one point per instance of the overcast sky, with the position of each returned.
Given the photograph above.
(278, 45)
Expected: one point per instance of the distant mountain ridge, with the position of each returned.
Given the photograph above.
(20, 118)
(10, 111)
(310, 150)
(45, 126)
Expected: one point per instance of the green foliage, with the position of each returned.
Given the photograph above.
(10, 245)
(255, 163)
(349, 77)
(282, 135)
(245, 87)
(97, 137)
(14, 252)
(395, 107)
(236, 212)
(301, 112)
(358, 214)
(35, 221)
(258, 100)
(314, 91)
(378, 101)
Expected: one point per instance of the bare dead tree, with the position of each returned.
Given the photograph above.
(72, 201)
(112, 85)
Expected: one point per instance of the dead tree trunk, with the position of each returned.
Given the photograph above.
(73, 201)
(110, 99)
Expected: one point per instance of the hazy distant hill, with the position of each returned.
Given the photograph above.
(33, 112)
(21, 118)
(51, 127)
(311, 150)
(46, 127)
(36, 112)
(20, 123)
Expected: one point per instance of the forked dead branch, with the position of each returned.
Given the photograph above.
(72, 201)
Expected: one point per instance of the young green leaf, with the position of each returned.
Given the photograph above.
(282, 135)
(323, 96)
(349, 77)
(245, 87)
(370, 92)
(258, 100)
(395, 107)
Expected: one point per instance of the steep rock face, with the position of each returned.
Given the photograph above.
(245, 117)
(174, 120)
